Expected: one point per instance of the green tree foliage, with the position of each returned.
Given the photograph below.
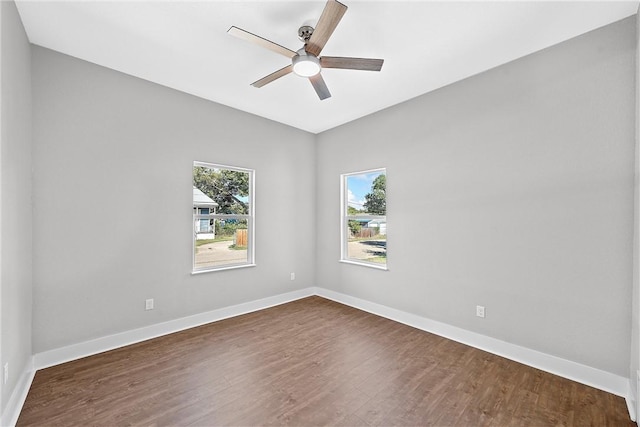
(376, 201)
(225, 187)
(352, 211)
(355, 227)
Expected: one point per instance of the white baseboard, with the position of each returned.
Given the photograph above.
(631, 408)
(14, 406)
(633, 402)
(593, 377)
(110, 342)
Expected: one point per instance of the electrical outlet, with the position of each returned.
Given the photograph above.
(148, 304)
(6, 372)
(293, 276)
(479, 311)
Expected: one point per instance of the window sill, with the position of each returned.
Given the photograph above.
(365, 264)
(230, 267)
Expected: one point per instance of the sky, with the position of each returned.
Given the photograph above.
(358, 185)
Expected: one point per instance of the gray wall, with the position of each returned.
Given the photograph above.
(112, 185)
(512, 189)
(15, 198)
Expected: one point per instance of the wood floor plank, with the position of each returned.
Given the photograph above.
(309, 362)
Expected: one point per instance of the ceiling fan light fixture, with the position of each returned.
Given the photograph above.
(305, 65)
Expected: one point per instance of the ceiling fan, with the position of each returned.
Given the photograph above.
(305, 62)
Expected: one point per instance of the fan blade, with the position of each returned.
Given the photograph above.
(320, 86)
(268, 44)
(367, 64)
(273, 76)
(331, 16)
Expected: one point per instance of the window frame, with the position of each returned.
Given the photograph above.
(250, 217)
(345, 217)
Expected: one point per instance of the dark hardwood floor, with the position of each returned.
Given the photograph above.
(310, 362)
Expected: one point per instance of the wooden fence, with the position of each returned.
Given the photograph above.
(242, 237)
(366, 233)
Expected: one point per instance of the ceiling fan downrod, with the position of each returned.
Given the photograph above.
(304, 33)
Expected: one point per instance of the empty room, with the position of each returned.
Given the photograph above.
(357, 213)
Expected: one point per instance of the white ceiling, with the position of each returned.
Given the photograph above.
(425, 45)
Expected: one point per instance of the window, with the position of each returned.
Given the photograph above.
(223, 223)
(363, 219)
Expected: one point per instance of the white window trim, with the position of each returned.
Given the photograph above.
(364, 264)
(250, 222)
(344, 240)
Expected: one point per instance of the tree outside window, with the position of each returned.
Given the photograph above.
(364, 207)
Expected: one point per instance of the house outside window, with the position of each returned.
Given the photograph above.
(223, 217)
(203, 205)
(364, 218)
